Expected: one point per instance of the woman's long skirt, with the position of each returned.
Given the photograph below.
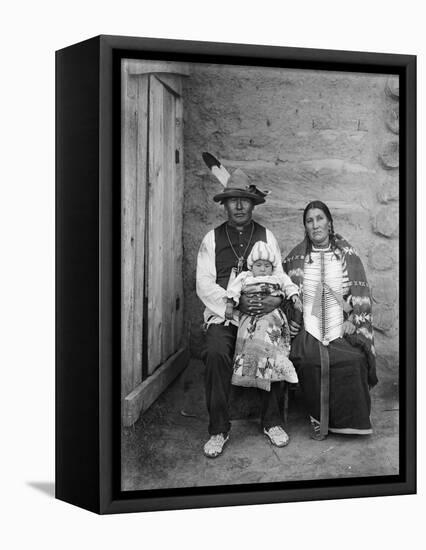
(349, 398)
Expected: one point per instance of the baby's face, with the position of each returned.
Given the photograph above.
(261, 267)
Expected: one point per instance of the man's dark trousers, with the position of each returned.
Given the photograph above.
(218, 358)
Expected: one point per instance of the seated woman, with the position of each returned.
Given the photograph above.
(333, 346)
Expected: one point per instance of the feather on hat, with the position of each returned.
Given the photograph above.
(236, 184)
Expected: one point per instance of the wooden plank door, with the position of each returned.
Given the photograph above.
(134, 179)
(163, 284)
(151, 231)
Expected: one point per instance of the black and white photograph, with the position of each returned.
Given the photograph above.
(260, 274)
(212, 295)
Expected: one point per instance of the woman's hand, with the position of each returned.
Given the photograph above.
(294, 328)
(348, 328)
(259, 306)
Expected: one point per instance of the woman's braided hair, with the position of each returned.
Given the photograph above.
(333, 241)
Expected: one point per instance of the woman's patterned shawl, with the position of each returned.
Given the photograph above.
(359, 292)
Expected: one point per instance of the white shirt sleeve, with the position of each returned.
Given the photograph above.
(210, 293)
(234, 289)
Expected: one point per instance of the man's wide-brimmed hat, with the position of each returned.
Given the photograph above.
(239, 185)
(234, 185)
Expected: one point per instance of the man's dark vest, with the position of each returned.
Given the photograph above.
(225, 256)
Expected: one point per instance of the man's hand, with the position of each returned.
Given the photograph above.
(297, 303)
(259, 306)
(229, 311)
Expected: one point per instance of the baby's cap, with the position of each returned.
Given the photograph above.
(261, 251)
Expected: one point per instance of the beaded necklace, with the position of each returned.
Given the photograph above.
(240, 258)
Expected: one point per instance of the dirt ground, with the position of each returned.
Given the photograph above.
(164, 449)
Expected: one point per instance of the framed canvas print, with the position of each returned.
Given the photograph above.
(236, 291)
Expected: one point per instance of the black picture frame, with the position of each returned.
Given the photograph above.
(88, 274)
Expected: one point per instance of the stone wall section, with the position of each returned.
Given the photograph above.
(303, 135)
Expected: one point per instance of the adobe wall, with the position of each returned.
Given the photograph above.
(303, 135)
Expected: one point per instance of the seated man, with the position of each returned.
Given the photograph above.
(222, 255)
